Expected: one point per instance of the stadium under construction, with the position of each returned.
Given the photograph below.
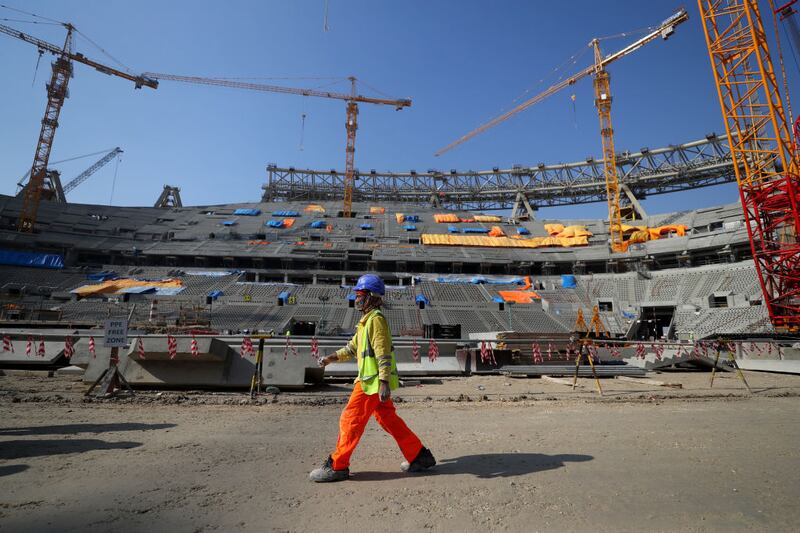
(474, 275)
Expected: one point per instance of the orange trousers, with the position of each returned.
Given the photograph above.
(354, 419)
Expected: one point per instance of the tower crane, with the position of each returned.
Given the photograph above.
(603, 104)
(761, 148)
(351, 123)
(56, 94)
(57, 192)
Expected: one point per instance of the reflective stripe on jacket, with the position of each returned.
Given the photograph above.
(372, 343)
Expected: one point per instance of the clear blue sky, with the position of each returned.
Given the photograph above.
(461, 62)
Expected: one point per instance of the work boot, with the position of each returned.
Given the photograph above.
(326, 473)
(423, 461)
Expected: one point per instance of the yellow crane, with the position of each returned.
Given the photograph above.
(351, 123)
(603, 104)
(56, 94)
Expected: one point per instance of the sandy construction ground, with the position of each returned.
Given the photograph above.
(514, 455)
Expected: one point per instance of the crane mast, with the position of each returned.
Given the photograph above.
(57, 92)
(602, 100)
(764, 160)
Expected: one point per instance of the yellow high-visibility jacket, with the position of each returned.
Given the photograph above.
(372, 344)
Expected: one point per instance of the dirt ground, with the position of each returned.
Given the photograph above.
(514, 455)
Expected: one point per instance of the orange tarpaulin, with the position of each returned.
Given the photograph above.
(574, 231)
(288, 222)
(400, 217)
(116, 285)
(315, 208)
(657, 233)
(377, 210)
(496, 231)
(554, 229)
(499, 242)
(487, 218)
(519, 297)
(449, 217)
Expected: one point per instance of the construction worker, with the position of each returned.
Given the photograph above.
(377, 377)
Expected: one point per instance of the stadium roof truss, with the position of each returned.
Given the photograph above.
(687, 166)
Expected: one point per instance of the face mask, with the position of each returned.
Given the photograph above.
(361, 301)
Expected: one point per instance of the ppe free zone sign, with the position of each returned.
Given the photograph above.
(116, 333)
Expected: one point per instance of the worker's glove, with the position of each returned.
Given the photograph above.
(325, 361)
(384, 392)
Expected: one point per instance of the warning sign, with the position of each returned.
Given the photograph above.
(116, 333)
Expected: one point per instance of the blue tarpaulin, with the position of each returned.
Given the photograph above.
(102, 276)
(523, 231)
(411, 218)
(366, 226)
(498, 299)
(286, 213)
(216, 294)
(476, 230)
(422, 298)
(247, 212)
(568, 281)
(453, 229)
(29, 259)
(628, 315)
(318, 224)
(229, 222)
(284, 296)
(274, 223)
(410, 227)
(138, 290)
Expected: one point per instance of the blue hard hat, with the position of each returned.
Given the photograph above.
(372, 283)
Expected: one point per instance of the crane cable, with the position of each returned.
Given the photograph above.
(793, 146)
(114, 181)
(52, 21)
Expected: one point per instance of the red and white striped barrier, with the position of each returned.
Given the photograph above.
(92, 348)
(172, 346)
(658, 349)
(140, 347)
(314, 347)
(549, 352)
(414, 350)
(8, 346)
(29, 347)
(41, 352)
(247, 347)
(615, 351)
(289, 346)
(592, 349)
(536, 354)
(433, 351)
(69, 349)
(195, 351)
(640, 350)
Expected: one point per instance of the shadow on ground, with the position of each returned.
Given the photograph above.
(16, 449)
(485, 466)
(7, 470)
(73, 429)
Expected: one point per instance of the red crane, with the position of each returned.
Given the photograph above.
(764, 159)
